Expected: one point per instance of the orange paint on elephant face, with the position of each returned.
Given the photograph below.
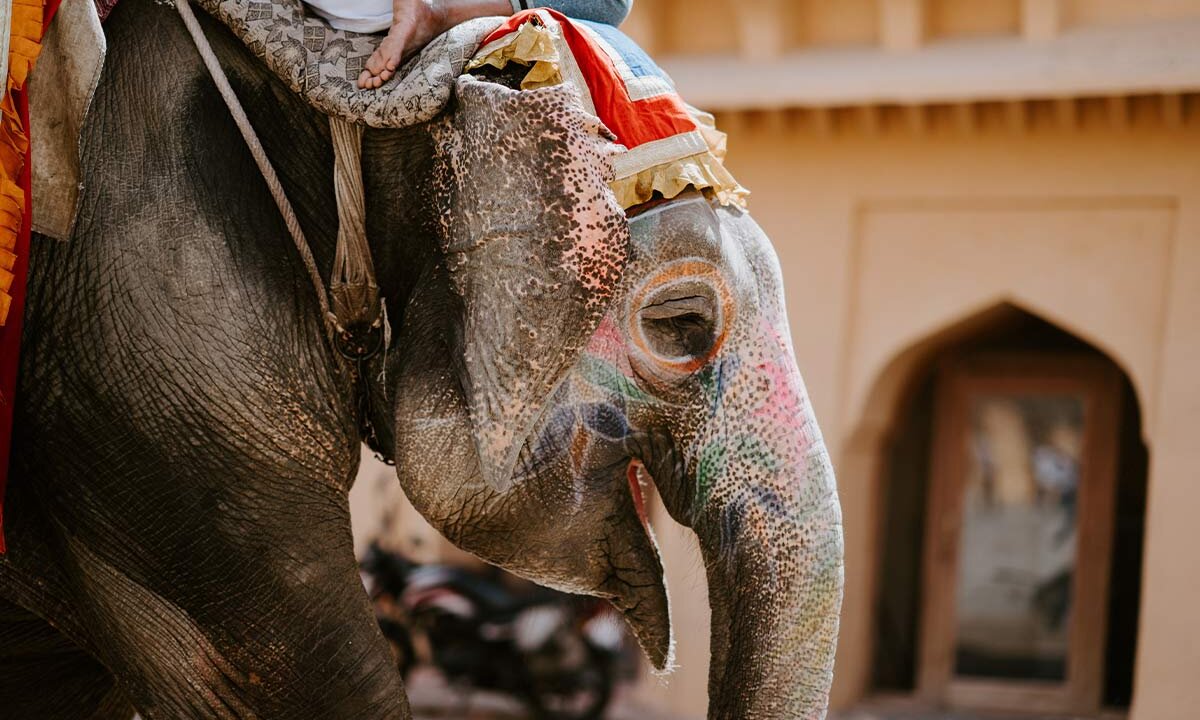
(688, 270)
(578, 450)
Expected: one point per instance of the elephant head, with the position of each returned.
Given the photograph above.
(562, 357)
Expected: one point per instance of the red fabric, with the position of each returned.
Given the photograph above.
(633, 122)
(10, 333)
(104, 7)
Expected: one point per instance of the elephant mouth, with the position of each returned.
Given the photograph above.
(585, 456)
(645, 605)
(639, 480)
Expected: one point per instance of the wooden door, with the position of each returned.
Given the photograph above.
(1019, 532)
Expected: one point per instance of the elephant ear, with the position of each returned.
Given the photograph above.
(535, 245)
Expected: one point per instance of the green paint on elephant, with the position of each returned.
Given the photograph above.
(710, 384)
(746, 450)
(605, 375)
(751, 450)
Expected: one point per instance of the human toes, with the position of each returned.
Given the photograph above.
(391, 50)
(376, 63)
(393, 58)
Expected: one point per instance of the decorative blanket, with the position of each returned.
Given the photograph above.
(21, 30)
(670, 146)
(322, 64)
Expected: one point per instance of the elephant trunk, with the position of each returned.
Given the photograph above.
(775, 586)
(763, 502)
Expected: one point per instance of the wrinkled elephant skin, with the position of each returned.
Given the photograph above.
(178, 525)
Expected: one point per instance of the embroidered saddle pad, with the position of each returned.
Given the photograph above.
(322, 64)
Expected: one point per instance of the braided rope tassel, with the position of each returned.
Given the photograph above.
(355, 292)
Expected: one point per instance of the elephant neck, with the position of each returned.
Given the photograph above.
(401, 219)
(296, 138)
(396, 164)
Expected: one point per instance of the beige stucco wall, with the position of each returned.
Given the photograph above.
(689, 27)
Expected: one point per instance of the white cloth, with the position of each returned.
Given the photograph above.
(60, 93)
(5, 29)
(364, 16)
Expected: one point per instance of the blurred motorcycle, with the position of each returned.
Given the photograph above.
(557, 653)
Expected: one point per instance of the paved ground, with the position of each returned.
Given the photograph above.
(432, 699)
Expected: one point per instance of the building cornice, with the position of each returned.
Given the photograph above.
(1160, 58)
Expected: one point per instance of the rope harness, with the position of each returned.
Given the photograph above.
(355, 320)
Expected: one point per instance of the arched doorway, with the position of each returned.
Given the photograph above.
(1024, 442)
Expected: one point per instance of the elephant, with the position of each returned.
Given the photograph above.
(185, 438)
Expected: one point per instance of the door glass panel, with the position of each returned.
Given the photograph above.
(1017, 549)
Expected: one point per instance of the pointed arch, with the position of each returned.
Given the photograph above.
(869, 420)
(882, 420)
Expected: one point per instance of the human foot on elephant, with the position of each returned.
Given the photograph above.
(413, 23)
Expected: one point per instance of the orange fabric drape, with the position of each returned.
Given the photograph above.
(24, 46)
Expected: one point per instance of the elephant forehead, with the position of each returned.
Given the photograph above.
(684, 226)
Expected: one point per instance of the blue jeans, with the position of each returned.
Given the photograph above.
(609, 12)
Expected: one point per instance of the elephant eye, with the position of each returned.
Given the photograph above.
(679, 317)
(680, 327)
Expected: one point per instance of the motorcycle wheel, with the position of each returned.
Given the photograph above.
(582, 694)
(400, 642)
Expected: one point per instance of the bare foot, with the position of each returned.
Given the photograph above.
(414, 24)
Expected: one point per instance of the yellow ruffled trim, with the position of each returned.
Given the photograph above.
(701, 171)
(716, 140)
(24, 46)
(531, 45)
